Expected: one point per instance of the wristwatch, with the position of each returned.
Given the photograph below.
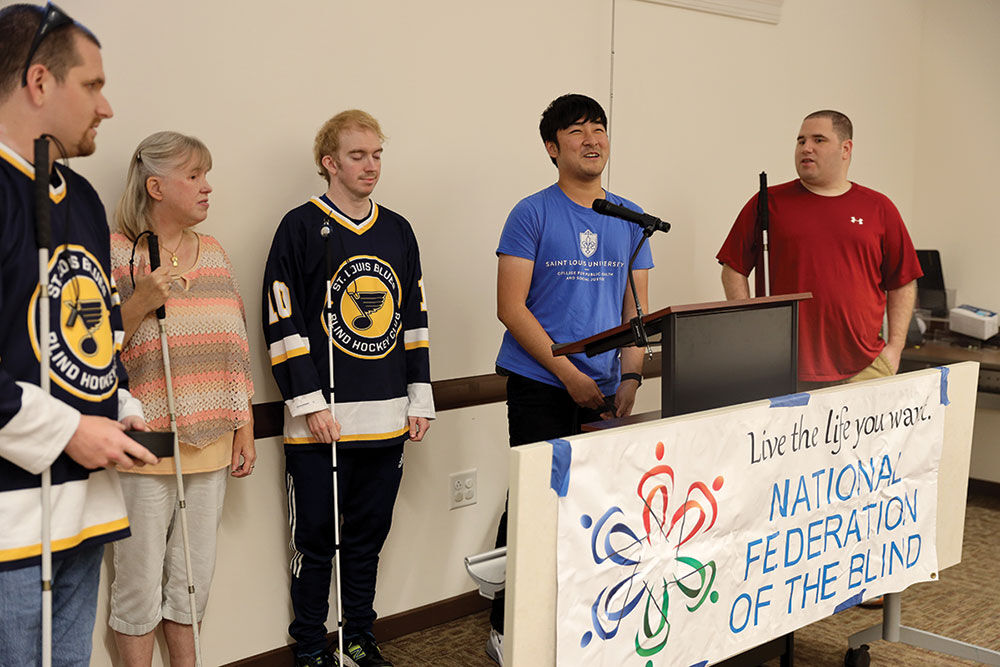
(632, 376)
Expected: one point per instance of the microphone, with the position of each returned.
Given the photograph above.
(154, 263)
(324, 231)
(604, 207)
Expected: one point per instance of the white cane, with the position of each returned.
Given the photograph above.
(161, 315)
(43, 234)
(328, 307)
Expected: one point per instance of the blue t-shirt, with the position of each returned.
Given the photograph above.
(579, 278)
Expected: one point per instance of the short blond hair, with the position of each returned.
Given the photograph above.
(156, 155)
(328, 138)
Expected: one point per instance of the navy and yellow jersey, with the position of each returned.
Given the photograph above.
(378, 315)
(86, 376)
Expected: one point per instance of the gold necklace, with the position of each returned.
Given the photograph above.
(173, 253)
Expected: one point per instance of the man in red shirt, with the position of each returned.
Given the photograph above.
(843, 242)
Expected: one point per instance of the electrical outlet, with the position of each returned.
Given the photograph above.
(462, 489)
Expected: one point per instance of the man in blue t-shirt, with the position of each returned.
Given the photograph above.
(563, 276)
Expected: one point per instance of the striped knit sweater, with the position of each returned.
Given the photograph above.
(206, 333)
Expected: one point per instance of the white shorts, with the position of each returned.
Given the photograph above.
(150, 581)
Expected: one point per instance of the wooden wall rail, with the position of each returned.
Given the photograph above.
(449, 394)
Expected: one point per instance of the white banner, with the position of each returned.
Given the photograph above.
(685, 543)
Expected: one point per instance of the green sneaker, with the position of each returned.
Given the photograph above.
(363, 652)
(321, 659)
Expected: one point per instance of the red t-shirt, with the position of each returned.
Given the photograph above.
(847, 250)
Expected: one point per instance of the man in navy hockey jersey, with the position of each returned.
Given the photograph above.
(382, 389)
(51, 80)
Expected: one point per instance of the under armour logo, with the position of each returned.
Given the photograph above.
(860, 221)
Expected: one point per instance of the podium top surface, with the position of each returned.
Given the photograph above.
(712, 306)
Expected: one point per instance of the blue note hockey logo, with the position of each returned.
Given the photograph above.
(364, 296)
(588, 243)
(81, 341)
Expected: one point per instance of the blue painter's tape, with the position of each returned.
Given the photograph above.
(944, 385)
(850, 602)
(790, 400)
(562, 455)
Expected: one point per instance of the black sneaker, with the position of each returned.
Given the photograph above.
(322, 659)
(363, 652)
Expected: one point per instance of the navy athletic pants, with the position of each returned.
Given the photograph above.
(368, 480)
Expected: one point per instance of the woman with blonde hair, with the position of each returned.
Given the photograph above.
(166, 192)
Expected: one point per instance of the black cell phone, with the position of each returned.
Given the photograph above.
(160, 443)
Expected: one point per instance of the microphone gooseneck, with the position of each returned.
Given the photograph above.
(649, 224)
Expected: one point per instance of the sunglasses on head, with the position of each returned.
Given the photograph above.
(54, 18)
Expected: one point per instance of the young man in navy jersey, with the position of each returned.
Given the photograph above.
(51, 80)
(382, 389)
(562, 276)
(843, 242)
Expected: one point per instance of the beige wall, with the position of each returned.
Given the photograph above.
(702, 103)
(958, 139)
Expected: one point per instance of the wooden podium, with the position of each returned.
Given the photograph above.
(714, 354)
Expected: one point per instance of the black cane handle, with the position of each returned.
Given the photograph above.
(43, 207)
(154, 263)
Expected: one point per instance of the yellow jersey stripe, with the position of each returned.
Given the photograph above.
(281, 358)
(345, 223)
(301, 441)
(26, 168)
(65, 543)
(374, 436)
(358, 437)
